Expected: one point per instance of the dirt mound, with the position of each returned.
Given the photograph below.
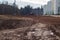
(12, 24)
(34, 32)
(55, 29)
(30, 28)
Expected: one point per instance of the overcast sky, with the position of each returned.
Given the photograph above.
(33, 3)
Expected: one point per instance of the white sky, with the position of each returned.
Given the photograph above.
(36, 1)
(33, 3)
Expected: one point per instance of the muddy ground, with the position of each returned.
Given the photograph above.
(29, 28)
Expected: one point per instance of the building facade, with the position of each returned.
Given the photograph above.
(56, 6)
(48, 8)
(52, 7)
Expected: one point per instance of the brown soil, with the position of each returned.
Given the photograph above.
(17, 27)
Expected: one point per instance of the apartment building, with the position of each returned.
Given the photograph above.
(48, 8)
(52, 7)
(56, 6)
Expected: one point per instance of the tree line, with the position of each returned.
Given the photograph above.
(12, 10)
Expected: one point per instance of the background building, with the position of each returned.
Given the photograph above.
(48, 8)
(52, 7)
(56, 6)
